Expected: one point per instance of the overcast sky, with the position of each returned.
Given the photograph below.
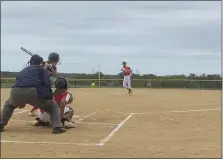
(154, 37)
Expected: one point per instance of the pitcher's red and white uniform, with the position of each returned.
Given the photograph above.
(127, 77)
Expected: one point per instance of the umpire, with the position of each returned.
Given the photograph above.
(32, 87)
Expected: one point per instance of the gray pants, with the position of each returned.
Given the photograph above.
(21, 96)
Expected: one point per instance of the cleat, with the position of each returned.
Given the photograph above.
(130, 92)
(58, 130)
(68, 124)
(36, 123)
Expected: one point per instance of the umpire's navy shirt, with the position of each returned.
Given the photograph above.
(35, 76)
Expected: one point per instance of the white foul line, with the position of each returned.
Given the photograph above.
(55, 143)
(184, 111)
(91, 114)
(114, 130)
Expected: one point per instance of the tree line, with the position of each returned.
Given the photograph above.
(192, 76)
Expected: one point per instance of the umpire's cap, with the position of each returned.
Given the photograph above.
(61, 83)
(35, 60)
(53, 57)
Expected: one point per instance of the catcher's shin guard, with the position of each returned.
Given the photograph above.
(67, 120)
(69, 115)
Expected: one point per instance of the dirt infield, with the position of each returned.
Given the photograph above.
(110, 124)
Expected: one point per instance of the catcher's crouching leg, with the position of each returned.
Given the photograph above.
(39, 122)
(67, 120)
(43, 119)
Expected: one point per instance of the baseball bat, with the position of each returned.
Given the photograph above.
(28, 52)
(31, 54)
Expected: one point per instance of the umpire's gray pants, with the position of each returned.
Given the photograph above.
(21, 97)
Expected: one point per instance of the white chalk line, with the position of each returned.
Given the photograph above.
(183, 111)
(20, 112)
(54, 143)
(17, 109)
(76, 116)
(81, 119)
(123, 122)
(112, 124)
(95, 123)
(102, 142)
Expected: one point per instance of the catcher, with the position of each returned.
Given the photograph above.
(63, 99)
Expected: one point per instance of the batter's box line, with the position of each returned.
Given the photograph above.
(91, 123)
(21, 111)
(102, 142)
(81, 119)
(53, 143)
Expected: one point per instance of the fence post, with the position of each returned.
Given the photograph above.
(187, 84)
(163, 83)
(217, 84)
(200, 83)
(99, 76)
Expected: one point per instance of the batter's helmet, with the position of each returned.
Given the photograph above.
(124, 63)
(53, 57)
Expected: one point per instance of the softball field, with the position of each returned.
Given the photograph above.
(152, 123)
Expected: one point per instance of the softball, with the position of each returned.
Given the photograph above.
(92, 85)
